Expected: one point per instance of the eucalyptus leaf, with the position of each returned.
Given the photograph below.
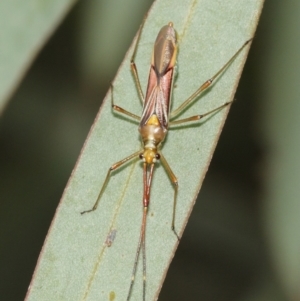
(25, 25)
(76, 262)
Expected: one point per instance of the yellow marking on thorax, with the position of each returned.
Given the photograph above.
(153, 120)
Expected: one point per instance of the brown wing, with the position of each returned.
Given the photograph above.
(160, 80)
(157, 99)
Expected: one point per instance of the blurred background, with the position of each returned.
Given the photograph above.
(242, 241)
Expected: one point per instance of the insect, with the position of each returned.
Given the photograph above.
(154, 123)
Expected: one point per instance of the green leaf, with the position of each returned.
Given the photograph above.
(25, 25)
(76, 263)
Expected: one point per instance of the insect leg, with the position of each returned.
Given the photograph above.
(133, 65)
(174, 181)
(198, 117)
(207, 83)
(113, 167)
(119, 109)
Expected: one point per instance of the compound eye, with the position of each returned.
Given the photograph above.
(157, 156)
(141, 156)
